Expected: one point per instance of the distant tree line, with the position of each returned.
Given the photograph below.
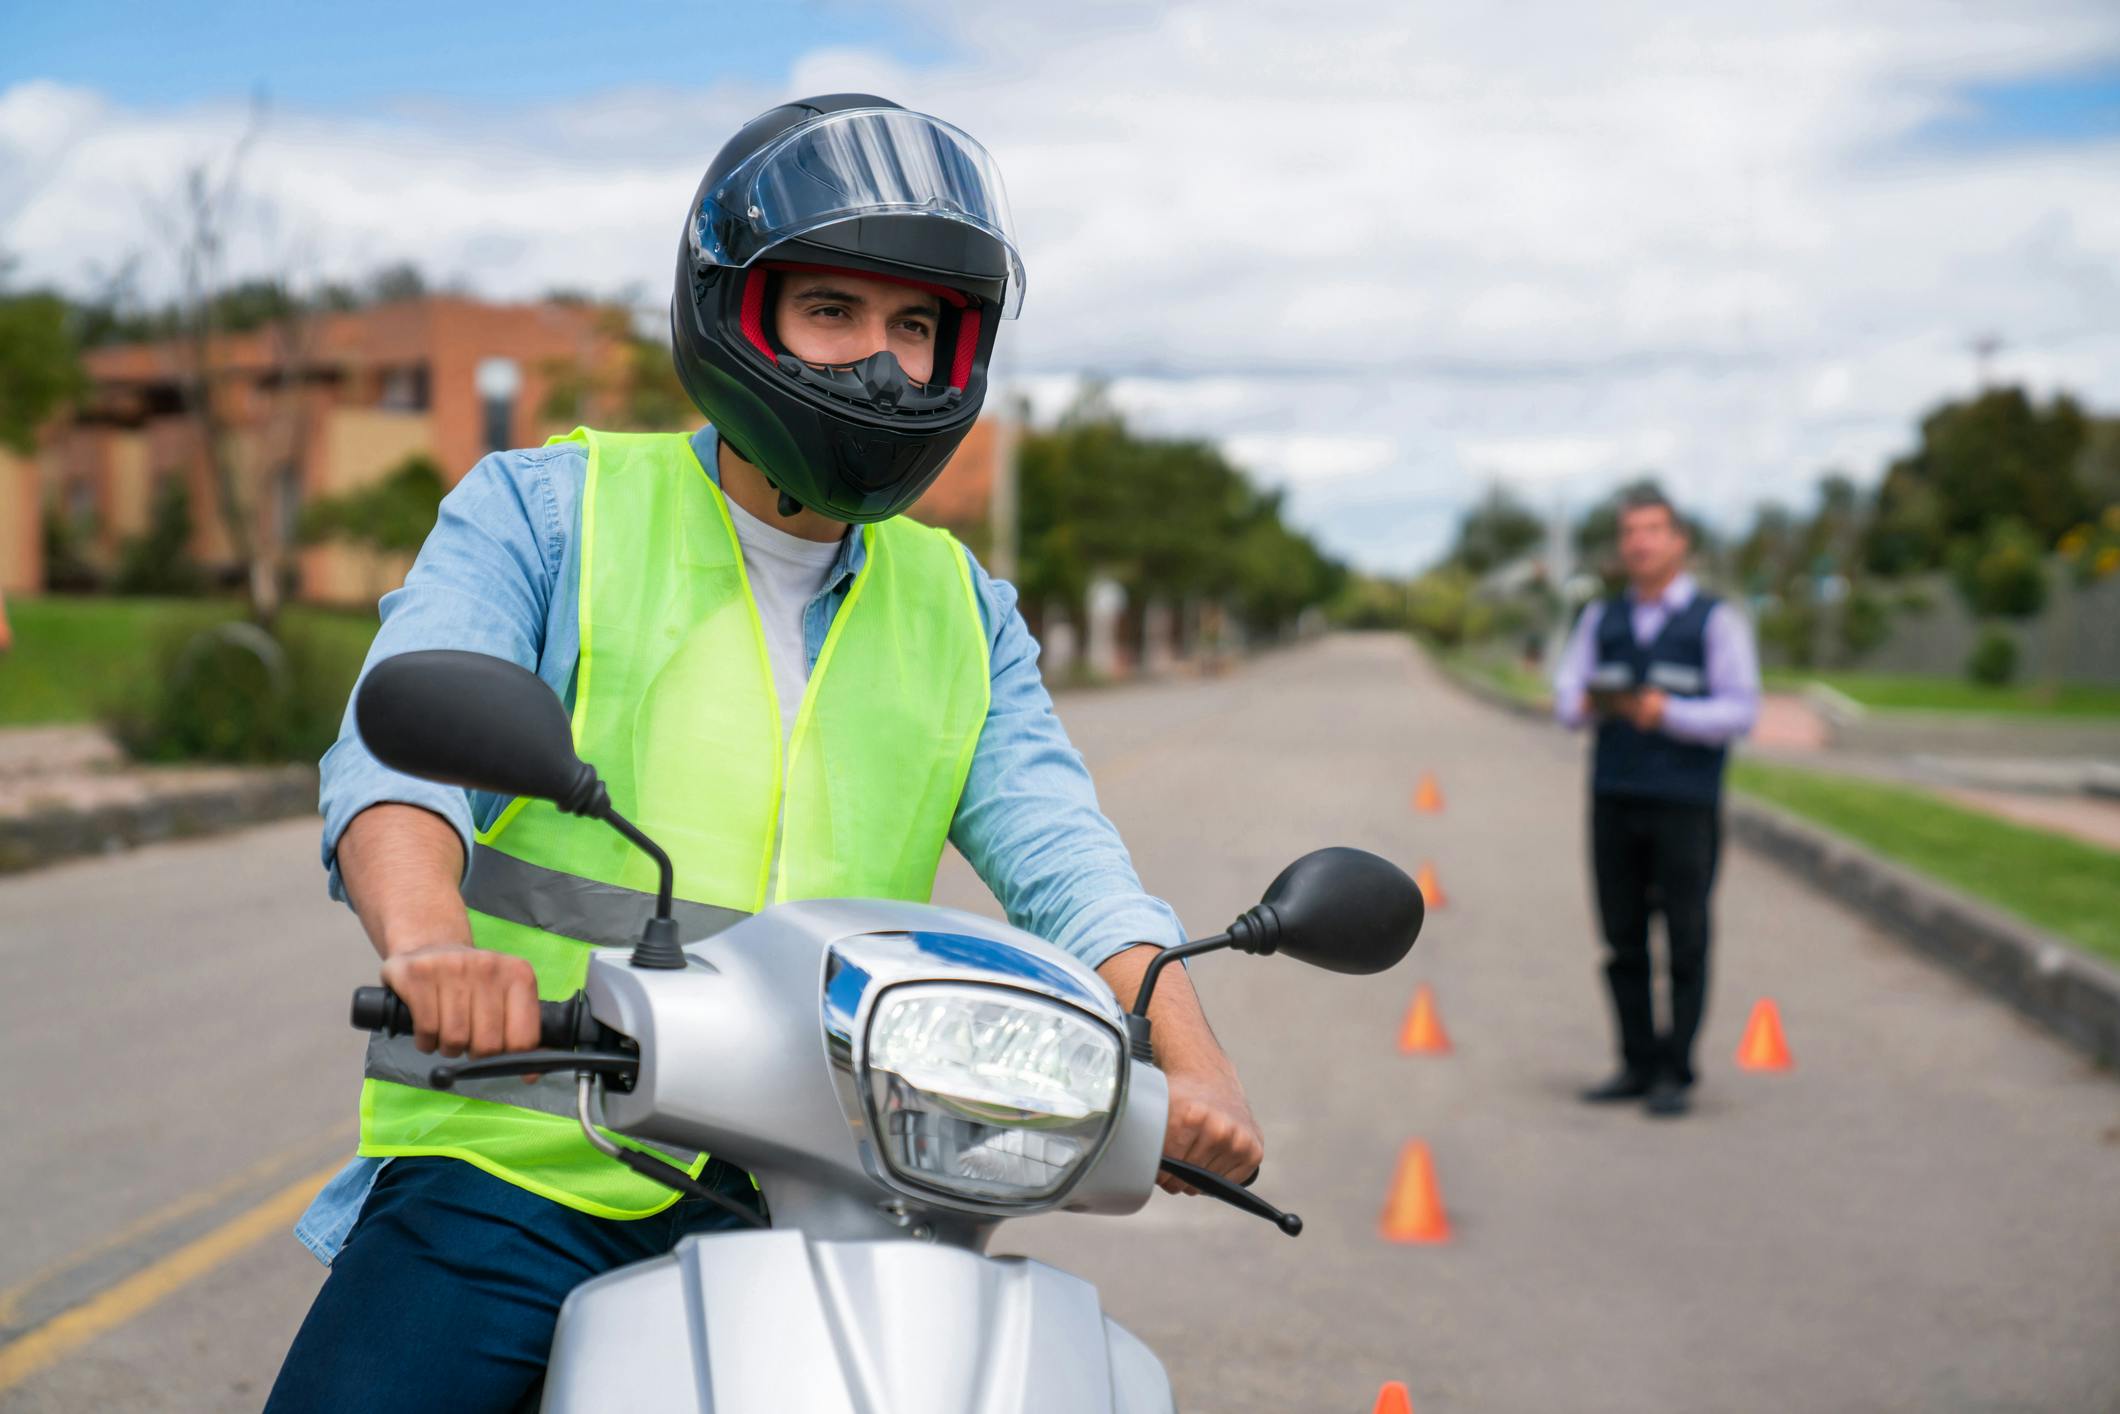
(1170, 520)
(1999, 492)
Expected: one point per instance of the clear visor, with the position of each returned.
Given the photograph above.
(860, 162)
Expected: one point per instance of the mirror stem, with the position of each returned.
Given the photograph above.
(1156, 964)
(658, 947)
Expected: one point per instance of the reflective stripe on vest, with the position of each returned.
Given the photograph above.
(517, 891)
(675, 706)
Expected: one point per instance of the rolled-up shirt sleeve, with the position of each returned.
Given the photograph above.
(482, 582)
(1571, 679)
(1732, 701)
(1028, 819)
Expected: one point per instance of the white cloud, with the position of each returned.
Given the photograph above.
(1280, 459)
(1384, 253)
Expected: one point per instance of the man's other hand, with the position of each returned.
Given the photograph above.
(466, 999)
(1648, 710)
(1210, 1125)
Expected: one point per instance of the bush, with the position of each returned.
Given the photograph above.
(67, 569)
(1791, 629)
(236, 693)
(391, 516)
(1864, 623)
(1442, 610)
(2003, 574)
(159, 561)
(1993, 660)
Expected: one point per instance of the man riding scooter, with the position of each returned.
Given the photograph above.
(793, 688)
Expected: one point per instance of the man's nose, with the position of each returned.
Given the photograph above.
(874, 336)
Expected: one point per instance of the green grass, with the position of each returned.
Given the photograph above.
(2066, 886)
(76, 658)
(1505, 674)
(1910, 692)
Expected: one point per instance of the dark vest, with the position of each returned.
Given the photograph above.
(1653, 765)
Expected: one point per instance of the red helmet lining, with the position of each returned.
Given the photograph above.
(753, 317)
(753, 322)
(967, 348)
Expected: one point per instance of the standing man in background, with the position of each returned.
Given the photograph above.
(1670, 677)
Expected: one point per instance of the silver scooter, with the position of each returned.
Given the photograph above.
(900, 1079)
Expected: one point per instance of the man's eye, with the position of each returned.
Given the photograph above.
(916, 328)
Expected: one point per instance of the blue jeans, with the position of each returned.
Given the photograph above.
(448, 1289)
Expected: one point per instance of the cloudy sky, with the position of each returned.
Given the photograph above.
(1386, 252)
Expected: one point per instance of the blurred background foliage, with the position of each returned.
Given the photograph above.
(2005, 504)
(1169, 520)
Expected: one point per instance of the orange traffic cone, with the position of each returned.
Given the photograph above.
(1422, 1033)
(1427, 796)
(1393, 1399)
(1763, 1047)
(1414, 1210)
(1431, 887)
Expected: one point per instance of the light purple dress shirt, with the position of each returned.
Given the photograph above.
(1732, 702)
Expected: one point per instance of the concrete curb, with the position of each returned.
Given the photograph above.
(2072, 994)
(44, 837)
(2067, 991)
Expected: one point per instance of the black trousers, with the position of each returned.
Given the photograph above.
(1655, 856)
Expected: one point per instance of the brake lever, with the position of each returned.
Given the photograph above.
(1234, 1194)
(618, 1066)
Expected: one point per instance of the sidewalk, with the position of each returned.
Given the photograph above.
(2066, 794)
(68, 791)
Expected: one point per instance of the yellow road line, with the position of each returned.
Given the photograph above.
(119, 1304)
(12, 1298)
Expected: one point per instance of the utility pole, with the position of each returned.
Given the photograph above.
(1985, 347)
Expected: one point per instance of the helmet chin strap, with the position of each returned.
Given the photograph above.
(788, 506)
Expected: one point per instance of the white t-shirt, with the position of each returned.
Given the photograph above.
(786, 573)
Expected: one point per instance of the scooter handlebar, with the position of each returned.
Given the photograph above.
(560, 1023)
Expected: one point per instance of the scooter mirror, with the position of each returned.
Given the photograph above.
(1346, 910)
(468, 719)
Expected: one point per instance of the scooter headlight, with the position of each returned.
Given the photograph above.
(986, 1092)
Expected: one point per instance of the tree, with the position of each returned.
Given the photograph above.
(39, 368)
(1170, 519)
(2003, 573)
(1443, 610)
(1496, 531)
(390, 517)
(210, 207)
(1979, 461)
(637, 391)
(1768, 555)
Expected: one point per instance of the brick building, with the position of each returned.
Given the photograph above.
(446, 376)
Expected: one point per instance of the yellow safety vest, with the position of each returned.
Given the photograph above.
(674, 705)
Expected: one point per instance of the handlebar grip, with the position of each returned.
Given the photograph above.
(380, 1009)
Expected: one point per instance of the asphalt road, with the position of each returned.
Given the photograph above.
(1924, 1214)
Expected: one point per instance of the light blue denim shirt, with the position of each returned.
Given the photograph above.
(499, 575)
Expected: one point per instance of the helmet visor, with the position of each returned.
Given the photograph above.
(853, 163)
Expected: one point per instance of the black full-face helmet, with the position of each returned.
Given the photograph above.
(848, 182)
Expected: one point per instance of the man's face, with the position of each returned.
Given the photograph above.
(835, 317)
(1651, 545)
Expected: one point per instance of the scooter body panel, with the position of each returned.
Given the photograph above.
(750, 1322)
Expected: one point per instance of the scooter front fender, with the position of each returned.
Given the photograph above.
(768, 1322)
